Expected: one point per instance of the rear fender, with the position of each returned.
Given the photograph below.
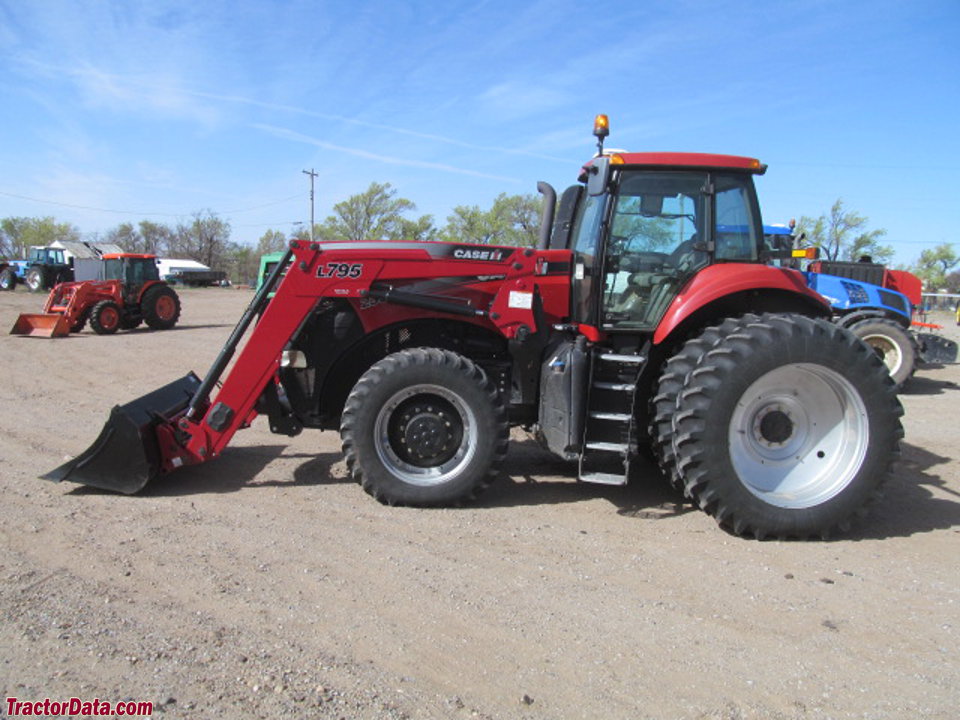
(739, 286)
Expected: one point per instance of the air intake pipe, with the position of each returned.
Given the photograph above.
(546, 215)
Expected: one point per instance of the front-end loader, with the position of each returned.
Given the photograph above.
(644, 318)
(127, 291)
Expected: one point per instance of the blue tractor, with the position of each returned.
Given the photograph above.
(880, 316)
(45, 268)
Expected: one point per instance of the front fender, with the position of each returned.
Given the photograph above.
(718, 282)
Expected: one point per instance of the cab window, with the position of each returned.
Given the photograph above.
(586, 232)
(657, 240)
(736, 238)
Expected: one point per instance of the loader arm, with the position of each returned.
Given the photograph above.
(326, 271)
(195, 429)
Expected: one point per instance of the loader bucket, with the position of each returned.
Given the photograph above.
(126, 455)
(41, 325)
(936, 349)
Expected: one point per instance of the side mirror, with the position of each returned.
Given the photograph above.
(598, 176)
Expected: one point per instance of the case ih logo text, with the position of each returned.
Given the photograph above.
(472, 254)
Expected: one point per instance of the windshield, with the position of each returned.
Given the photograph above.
(660, 235)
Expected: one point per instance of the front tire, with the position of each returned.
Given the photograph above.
(424, 427)
(893, 344)
(787, 428)
(34, 279)
(105, 317)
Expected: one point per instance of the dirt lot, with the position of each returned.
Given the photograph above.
(266, 585)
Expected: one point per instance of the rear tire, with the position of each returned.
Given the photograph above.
(424, 427)
(105, 317)
(160, 307)
(787, 427)
(894, 345)
(664, 403)
(8, 279)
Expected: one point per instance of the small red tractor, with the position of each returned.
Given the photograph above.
(644, 318)
(128, 291)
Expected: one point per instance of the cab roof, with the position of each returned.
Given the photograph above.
(686, 160)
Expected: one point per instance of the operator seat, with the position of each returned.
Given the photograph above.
(686, 256)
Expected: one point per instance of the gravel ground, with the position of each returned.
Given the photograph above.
(264, 584)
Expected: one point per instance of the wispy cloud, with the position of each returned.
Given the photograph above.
(138, 94)
(288, 134)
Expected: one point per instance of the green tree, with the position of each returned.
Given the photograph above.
(934, 266)
(155, 238)
(148, 237)
(19, 234)
(422, 229)
(126, 236)
(842, 235)
(204, 240)
(512, 220)
(375, 214)
(271, 241)
(952, 282)
(241, 263)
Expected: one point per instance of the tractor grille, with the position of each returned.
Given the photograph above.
(894, 301)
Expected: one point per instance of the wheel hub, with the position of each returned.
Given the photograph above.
(886, 350)
(426, 435)
(425, 431)
(773, 426)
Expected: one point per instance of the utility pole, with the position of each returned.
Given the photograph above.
(312, 173)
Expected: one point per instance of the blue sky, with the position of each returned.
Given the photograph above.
(121, 111)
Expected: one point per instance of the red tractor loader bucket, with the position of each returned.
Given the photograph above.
(41, 325)
(126, 455)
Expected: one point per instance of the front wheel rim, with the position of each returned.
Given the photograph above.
(887, 350)
(109, 319)
(165, 308)
(798, 436)
(425, 435)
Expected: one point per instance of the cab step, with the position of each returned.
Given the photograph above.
(601, 478)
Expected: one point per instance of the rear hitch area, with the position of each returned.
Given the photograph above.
(129, 452)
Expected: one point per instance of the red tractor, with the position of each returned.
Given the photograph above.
(645, 318)
(128, 291)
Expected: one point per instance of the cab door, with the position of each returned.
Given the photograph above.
(587, 259)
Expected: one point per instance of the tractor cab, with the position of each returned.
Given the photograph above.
(647, 223)
(47, 256)
(132, 270)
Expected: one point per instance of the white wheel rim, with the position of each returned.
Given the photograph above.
(798, 436)
(887, 349)
(416, 474)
